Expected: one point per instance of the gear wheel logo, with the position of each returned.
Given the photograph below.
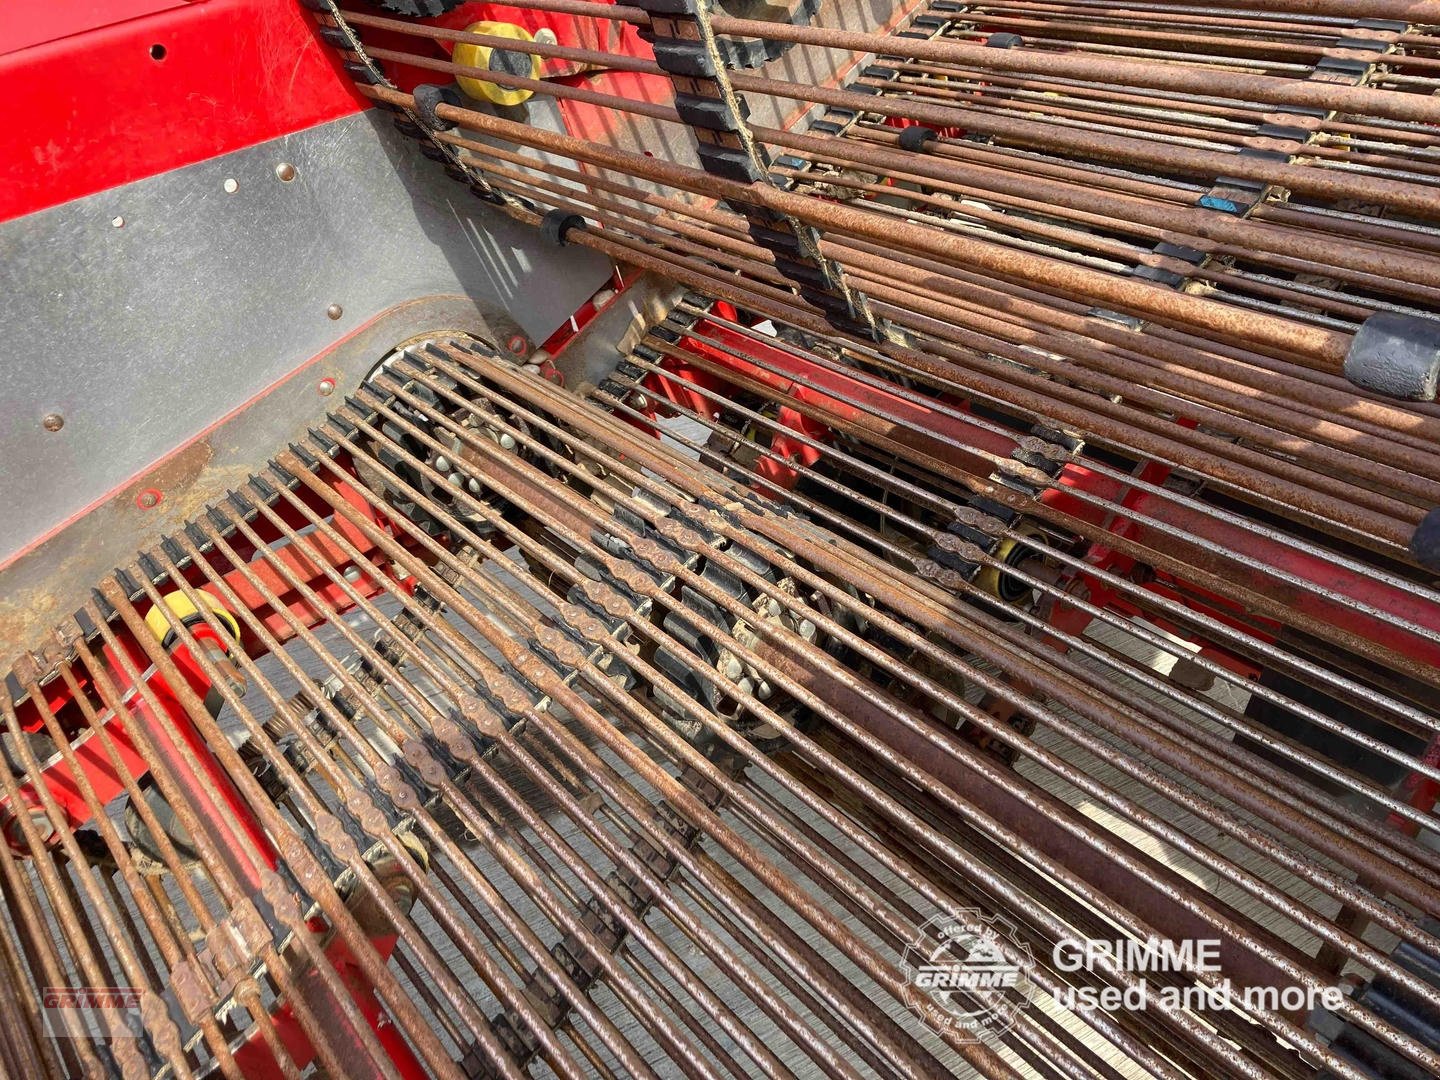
(965, 971)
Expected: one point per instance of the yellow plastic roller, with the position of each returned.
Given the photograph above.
(1011, 553)
(182, 608)
(504, 61)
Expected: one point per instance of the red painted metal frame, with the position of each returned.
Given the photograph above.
(111, 94)
(105, 94)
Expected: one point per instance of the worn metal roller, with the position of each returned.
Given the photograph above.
(811, 541)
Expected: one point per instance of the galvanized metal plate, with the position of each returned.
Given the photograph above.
(142, 315)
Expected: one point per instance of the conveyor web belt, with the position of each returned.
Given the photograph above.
(621, 860)
(1039, 558)
(1254, 185)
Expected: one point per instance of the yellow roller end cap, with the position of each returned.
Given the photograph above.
(181, 607)
(504, 61)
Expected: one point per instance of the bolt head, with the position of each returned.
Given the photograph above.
(334, 311)
(148, 499)
(53, 421)
(518, 344)
(285, 172)
(326, 387)
(118, 221)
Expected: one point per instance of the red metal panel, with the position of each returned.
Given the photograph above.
(129, 99)
(26, 25)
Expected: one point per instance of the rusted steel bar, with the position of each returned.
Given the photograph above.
(1326, 349)
(161, 930)
(1073, 703)
(1206, 774)
(395, 787)
(1414, 198)
(1181, 77)
(518, 807)
(515, 653)
(1244, 764)
(316, 988)
(1194, 364)
(1415, 11)
(1426, 605)
(1142, 1054)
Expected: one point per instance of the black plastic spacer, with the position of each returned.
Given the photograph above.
(1397, 355)
(681, 57)
(1343, 65)
(713, 114)
(1282, 131)
(558, 223)
(801, 272)
(427, 97)
(995, 509)
(951, 561)
(984, 541)
(1070, 442)
(1159, 275)
(668, 7)
(1425, 542)
(915, 137)
(776, 240)
(1004, 41)
(1182, 252)
(729, 163)
(361, 74)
